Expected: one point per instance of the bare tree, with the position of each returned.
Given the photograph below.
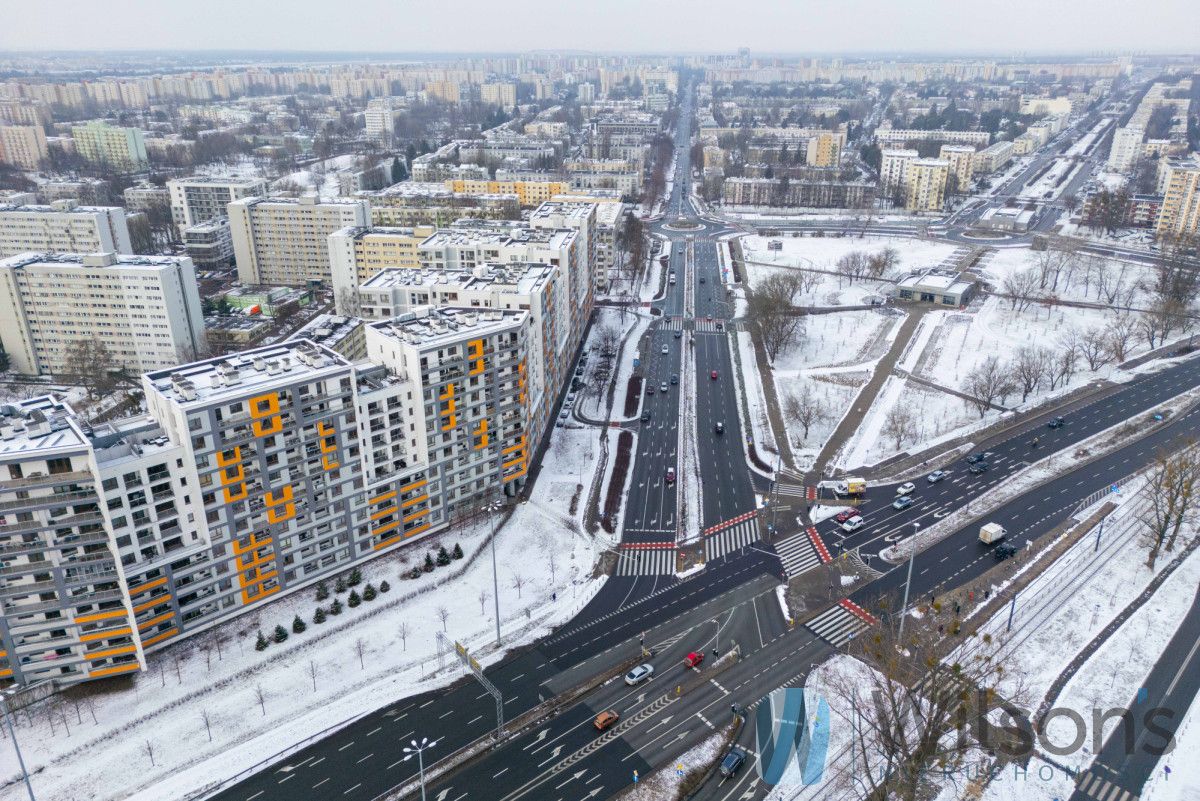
(312, 673)
(204, 716)
(402, 630)
(804, 408)
(1021, 288)
(261, 696)
(608, 339)
(854, 264)
(148, 750)
(878, 264)
(443, 615)
(1171, 487)
(900, 424)
(92, 364)
(483, 599)
(770, 307)
(1119, 334)
(360, 648)
(518, 581)
(913, 710)
(987, 383)
(1095, 348)
(1029, 368)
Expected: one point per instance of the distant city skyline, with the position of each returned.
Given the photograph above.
(809, 26)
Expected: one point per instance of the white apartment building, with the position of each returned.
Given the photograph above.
(380, 120)
(144, 309)
(891, 137)
(64, 226)
(499, 94)
(1126, 147)
(110, 145)
(993, 157)
(199, 199)
(357, 253)
(893, 168)
(209, 244)
(926, 184)
(23, 146)
(285, 241)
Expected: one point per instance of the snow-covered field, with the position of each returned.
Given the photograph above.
(822, 253)
(760, 423)
(1091, 279)
(315, 679)
(326, 184)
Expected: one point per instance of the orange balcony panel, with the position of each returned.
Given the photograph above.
(154, 621)
(514, 476)
(387, 496)
(254, 543)
(153, 602)
(6, 672)
(223, 461)
(112, 671)
(264, 405)
(285, 495)
(107, 652)
(414, 485)
(414, 501)
(387, 542)
(329, 463)
(325, 430)
(108, 615)
(103, 634)
(386, 527)
(251, 597)
(448, 393)
(277, 516)
(384, 512)
(412, 532)
(235, 493)
(520, 458)
(157, 638)
(149, 585)
(231, 474)
(476, 367)
(415, 515)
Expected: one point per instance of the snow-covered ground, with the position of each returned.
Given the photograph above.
(665, 784)
(1091, 279)
(106, 759)
(760, 423)
(822, 253)
(307, 180)
(1183, 782)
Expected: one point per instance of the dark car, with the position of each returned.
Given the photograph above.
(678, 334)
(646, 416)
(719, 428)
(733, 761)
(1057, 422)
(1004, 550)
(978, 467)
(974, 457)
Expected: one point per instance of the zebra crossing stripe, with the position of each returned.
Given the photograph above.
(728, 540)
(858, 611)
(658, 562)
(797, 555)
(818, 543)
(837, 625)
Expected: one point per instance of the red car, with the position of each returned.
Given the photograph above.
(693, 659)
(713, 374)
(847, 513)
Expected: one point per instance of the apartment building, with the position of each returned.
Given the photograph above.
(285, 241)
(1180, 214)
(529, 193)
(380, 120)
(499, 94)
(357, 253)
(64, 226)
(209, 244)
(147, 197)
(1036, 104)
(962, 164)
(893, 168)
(110, 145)
(891, 137)
(994, 157)
(144, 309)
(925, 182)
(532, 287)
(199, 199)
(825, 149)
(23, 146)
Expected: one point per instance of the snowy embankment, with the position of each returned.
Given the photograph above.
(310, 682)
(755, 411)
(691, 487)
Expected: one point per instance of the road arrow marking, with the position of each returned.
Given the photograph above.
(662, 722)
(573, 778)
(442, 795)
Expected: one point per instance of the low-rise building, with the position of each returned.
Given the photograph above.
(209, 244)
(943, 287)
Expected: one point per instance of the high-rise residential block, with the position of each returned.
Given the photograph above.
(144, 309)
(961, 159)
(893, 168)
(110, 145)
(285, 241)
(64, 226)
(199, 199)
(1180, 214)
(925, 182)
(23, 146)
(357, 253)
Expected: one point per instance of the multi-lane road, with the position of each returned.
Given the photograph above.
(732, 599)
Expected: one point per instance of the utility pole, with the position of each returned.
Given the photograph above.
(904, 606)
(12, 732)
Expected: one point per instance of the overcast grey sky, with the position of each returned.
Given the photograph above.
(791, 26)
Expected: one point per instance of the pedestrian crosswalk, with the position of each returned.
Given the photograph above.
(797, 554)
(1096, 786)
(699, 326)
(647, 562)
(710, 326)
(730, 539)
(840, 624)
(799, 491)
(672, 324)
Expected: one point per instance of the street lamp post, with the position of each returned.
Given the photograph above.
(494, 508)
(904, 606)
(418, 749)
(717, 638)
(12, 732)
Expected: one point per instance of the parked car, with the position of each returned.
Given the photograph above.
(693, 659)
(936, 476)
(905, 489)
(606, 719)
(733, 761)
(702, 279)
(1057, 422)
(853, 524)
(649, 388)
(720, 326)
(903, 502)
(847, 513)
(639, 674)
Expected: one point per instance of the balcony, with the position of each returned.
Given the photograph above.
(45, 480)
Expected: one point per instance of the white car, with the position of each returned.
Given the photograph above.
(853, 524)
(905, 489)
(639, 674)
(665, 350)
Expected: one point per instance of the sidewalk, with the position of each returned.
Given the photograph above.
(866, 396)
